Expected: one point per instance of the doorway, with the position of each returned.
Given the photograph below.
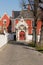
(22, 35)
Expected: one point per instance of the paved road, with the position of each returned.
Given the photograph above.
(13, 54)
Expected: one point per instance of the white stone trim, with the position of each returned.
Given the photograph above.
(38, 38)
(21, 23)
(39, 31)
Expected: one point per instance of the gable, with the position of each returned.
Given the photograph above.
(6, 18)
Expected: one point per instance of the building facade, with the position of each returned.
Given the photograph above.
(22, 25)
(4, 23)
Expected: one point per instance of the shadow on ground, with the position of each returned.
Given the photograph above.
(17, 43)
(23, 44)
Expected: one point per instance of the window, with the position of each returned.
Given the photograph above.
(4, 22)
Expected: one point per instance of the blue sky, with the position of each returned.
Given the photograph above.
(8, 6)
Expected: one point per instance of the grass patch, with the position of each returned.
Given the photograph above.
(31, 44)
(37, 47)
(40, 49)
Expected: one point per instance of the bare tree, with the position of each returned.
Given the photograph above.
(37, 3)
(22, 4)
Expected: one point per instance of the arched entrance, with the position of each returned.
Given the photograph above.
(22, 35)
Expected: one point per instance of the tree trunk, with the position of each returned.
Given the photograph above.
(36, 3)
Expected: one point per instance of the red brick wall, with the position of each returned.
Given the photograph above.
(38, 28)
(0, 23)
(29, 22)
(16, 21)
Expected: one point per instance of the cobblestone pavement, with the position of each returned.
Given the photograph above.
(15, 54)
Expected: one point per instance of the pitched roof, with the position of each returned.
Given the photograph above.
(15, 14)
(26, 14)
(5, 14)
